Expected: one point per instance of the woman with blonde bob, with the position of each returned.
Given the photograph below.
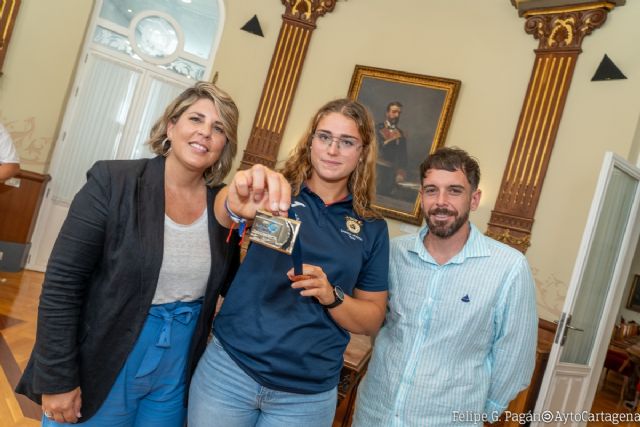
(132, 282)
(279, 339)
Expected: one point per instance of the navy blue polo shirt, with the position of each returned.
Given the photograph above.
(288, 342)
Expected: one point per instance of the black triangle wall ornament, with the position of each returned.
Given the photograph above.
(607, 70)
(253, 26)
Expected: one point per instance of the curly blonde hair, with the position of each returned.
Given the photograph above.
(228, 112)
(361, 184)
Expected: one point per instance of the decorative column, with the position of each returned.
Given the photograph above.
(560, 32)
(298, 22)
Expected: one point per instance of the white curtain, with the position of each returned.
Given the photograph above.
(160, 94)
(96, 130)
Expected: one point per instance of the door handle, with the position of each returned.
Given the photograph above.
(566, 319)
(573, 328)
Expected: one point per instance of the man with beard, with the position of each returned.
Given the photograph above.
(392, 151)
(460, 332)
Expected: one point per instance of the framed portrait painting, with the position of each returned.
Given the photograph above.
(412, 114)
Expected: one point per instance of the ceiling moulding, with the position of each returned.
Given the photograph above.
(525, 6)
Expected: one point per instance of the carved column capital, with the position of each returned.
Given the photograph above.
(307, 11)
(565, 28)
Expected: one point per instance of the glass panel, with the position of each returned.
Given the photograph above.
(160, 95)
(599, 266)
(198, 19)
(156, 37)
(98, 121)
(114, 41)
(186, 68)
(121, 44)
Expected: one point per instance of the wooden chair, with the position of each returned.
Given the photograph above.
(619, 363)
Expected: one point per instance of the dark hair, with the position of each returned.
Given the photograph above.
(394, 104)
(452, 159)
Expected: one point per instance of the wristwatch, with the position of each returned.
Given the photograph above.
(339, 294)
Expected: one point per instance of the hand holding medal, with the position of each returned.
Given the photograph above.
(258, 188)
(313, 282)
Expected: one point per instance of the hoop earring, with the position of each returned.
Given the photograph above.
(166, 147)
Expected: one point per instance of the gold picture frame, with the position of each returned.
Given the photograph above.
(426, 105)
(8, 12)
(633, 302)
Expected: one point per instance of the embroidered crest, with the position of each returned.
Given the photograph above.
(353, 225)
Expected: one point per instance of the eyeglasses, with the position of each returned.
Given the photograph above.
(343, 143)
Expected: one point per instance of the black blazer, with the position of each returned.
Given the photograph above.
(101, 279)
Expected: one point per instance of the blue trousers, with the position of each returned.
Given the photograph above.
(223, 395)
(149, 391)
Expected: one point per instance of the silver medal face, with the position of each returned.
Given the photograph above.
(275, 232)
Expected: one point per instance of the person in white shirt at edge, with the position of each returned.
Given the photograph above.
(9, 161)
(460, 332)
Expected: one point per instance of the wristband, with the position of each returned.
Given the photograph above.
(234, 217)
(242, 223)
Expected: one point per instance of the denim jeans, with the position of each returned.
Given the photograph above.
(149, 390)
(222, 394)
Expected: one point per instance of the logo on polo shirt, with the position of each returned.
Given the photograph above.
(297, 203)
(353, 228)
(465, 298)
(353, 225)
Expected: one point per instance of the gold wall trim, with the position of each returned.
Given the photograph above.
(561, 92)
(270, 76)
(291, 83)
(295, 55)
(543, 127)
(526, 110)
(287, 36)
(577, 8)
(508, 239)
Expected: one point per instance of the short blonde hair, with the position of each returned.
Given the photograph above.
(228, 112)
(362, 180)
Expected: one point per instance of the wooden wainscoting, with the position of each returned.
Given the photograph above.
(20, 200)
(19, 205)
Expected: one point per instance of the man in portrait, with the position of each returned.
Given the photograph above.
(392, 152)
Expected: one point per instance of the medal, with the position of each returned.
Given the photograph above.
(275, 232)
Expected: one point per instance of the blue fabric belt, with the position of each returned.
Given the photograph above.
(183, 313)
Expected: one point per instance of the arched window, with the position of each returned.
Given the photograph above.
(138, 55)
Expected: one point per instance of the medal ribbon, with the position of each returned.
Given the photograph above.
(296, 255)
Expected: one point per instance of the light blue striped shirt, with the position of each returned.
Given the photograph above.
(458, 341)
